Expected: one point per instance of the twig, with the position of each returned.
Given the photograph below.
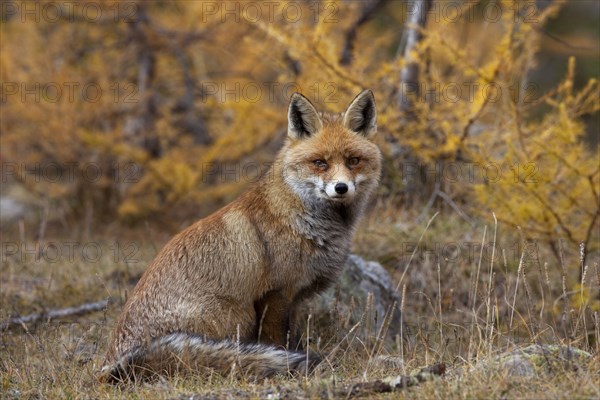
(393, 383)
(455, 207)
(431, 200)
(55, 314)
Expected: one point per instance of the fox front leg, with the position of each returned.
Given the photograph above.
(273, 318)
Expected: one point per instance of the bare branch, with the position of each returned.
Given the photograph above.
(55, 314)
(366, 13)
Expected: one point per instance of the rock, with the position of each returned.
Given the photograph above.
(16, 203)
(536, 358)
(363, 292)
(10, 209)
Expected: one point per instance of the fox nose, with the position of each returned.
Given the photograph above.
(341, 188)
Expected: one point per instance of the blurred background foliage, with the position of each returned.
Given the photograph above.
(130, 110)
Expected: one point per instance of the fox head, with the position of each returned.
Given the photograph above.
(332, 158)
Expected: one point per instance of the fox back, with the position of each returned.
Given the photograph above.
(224, 291)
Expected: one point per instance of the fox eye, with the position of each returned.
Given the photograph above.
(353, 162)
(320, 164)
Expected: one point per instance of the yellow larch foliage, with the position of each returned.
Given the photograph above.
(190, 84)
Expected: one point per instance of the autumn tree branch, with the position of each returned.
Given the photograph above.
(369, 8)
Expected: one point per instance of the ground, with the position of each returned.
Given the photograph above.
(453, 312)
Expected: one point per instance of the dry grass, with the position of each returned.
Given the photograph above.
(459, 307)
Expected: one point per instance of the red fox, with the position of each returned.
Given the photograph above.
(221, 293)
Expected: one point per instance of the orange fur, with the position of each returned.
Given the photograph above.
(242, 270)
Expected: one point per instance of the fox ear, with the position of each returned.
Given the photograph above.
(303, 119)
(361, 116)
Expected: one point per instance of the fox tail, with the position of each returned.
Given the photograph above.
(180, 352)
